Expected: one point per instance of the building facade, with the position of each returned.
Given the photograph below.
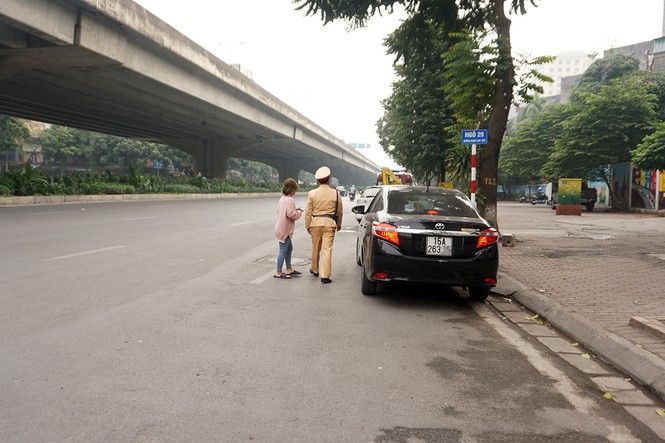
(566, 64)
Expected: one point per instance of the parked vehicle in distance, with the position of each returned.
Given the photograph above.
(423, 234)
(366, 198)
(341, 190)
(588, 197)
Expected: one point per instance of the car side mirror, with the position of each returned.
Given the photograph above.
(360, 209)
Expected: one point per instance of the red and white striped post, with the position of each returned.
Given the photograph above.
(473, 174)
(474, 137)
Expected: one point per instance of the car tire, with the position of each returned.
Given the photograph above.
(479, 293)
(368, 286)
(358, 256)
(589, 207)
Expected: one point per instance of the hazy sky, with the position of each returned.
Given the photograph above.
(337, 78)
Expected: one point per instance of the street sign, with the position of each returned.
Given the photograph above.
(474, 136)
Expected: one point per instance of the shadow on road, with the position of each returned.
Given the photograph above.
(411, 296)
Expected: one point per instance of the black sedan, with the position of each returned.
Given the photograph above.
(426, 235)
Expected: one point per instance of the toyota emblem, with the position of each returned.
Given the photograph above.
(439, 226)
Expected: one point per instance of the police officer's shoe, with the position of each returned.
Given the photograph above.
(326, 280)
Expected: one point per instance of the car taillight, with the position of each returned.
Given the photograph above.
(379, 276)
(386, 232)
(487, 237)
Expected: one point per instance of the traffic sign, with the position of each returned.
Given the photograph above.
(474, 136)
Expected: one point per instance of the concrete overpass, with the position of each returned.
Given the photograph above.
(111, 66)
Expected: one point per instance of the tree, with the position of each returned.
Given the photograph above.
(12, 133)
(454, 15)
(526, 151)
(60, 144)
(650, 154)
(603, 131)
(412, 129)
(603, 71)
(653, 83)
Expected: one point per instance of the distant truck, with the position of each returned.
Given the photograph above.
(392, 177)
(588, 197)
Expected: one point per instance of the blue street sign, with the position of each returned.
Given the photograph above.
(474, 136)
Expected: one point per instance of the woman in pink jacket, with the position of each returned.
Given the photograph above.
(287, 214)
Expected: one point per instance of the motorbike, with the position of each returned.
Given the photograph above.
(539, 199)
(352, 195)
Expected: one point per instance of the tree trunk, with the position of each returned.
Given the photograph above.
(488, 162)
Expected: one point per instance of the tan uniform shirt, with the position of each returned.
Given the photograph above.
(321, 201)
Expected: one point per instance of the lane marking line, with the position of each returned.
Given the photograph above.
(242, 223)
(561, 381)
(47, 213)
(262, 278)
(94, 251)
(140, 218)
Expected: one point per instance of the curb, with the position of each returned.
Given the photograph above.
(56, 199)
(640, 364)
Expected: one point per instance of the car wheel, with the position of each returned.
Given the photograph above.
(589, 207)
(358, 257)
(368, 286)
(479, 293)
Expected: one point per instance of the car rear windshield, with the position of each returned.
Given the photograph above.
(430, 203)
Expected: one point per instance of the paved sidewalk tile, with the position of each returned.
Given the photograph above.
(560, 345)
(586, 365)
(604, 266)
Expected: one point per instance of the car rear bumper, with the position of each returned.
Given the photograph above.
(472, 271)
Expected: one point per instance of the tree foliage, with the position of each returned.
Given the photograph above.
(603, 71)
(604, 129)
(527, 150)
(62, 144)
(12, 133)
(412, 130)
(616, 115)
(455, 16)
(650, 154)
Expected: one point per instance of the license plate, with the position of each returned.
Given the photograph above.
(442, 246)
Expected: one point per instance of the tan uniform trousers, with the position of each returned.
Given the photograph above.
(322, 241)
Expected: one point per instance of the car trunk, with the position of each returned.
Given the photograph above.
(459, 230)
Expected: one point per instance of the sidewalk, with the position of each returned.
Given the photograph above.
(589, 275)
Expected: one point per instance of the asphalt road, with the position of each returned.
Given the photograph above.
(160, 321)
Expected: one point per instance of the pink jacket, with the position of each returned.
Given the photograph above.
(287, 214)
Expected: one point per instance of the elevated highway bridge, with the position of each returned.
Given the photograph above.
(111, 66)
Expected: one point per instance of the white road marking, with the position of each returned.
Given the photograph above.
(242, 223)
(262, 278)
(562, 383)
(141, 218)
(48, 213)
(94, 251)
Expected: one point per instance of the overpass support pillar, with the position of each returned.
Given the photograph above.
(288, 169)
(211, 162)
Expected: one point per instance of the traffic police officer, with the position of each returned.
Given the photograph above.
(323, 219)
